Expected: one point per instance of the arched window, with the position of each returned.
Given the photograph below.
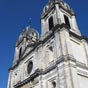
(67, 21)
(51, 24)
(53, 84)
(20, 52)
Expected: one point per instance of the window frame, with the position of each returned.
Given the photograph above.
(67, 21)
(51, 23)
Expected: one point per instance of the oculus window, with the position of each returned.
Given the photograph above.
(29, 67)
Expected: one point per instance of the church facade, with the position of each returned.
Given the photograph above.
(57, 59)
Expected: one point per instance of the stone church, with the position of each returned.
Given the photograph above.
(57, 59)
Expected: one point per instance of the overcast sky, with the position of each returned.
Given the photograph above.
(14, 17)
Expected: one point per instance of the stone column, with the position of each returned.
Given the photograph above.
(85, 46)
(58, 48)
(74, 75)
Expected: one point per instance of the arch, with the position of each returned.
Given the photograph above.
(20, 52)
(67, 21)
(54, 84)
(51, 24)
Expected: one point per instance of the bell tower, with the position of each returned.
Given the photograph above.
(57, 59)
(58, 12)
(27, 38)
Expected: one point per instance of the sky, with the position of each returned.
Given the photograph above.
(15, 16)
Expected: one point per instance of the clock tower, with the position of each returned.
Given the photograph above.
(57, 59)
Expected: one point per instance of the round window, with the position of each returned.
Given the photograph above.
(30, 66)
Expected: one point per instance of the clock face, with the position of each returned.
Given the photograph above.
(29, 67)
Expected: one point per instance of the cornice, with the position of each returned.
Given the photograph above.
(84, 37)
(75, 35)
(79, 37)
(31, 78)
